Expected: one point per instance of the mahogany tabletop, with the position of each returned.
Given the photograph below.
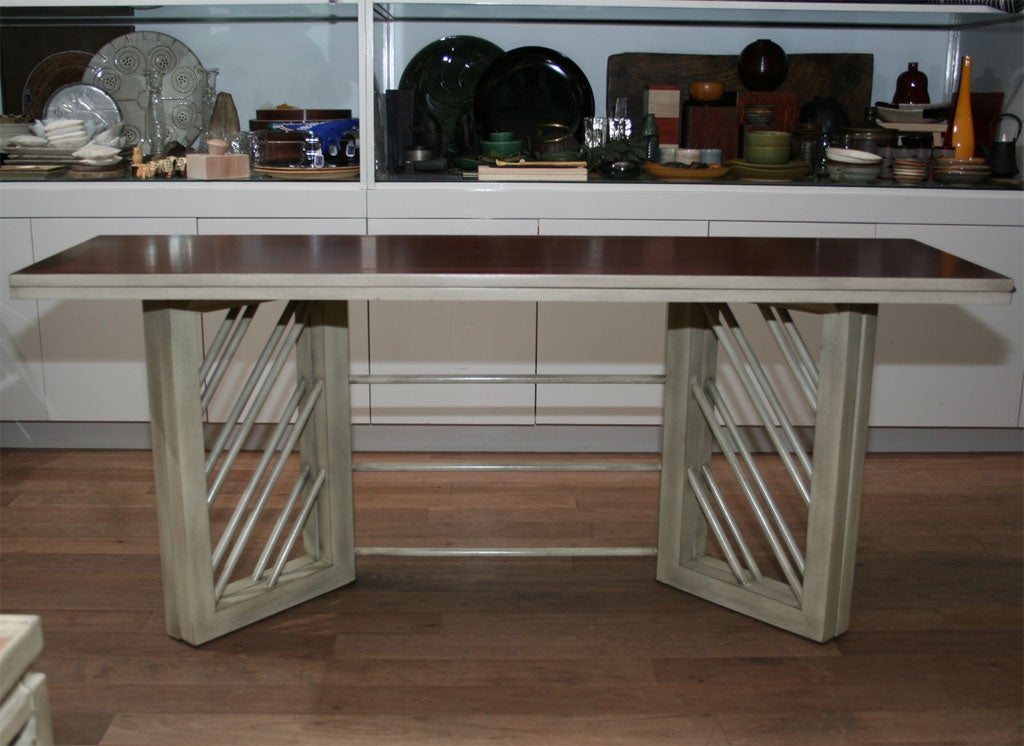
(832, 270)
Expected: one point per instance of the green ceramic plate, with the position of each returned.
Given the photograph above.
(782, 172)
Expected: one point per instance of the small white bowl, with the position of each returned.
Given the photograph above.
(848, 155)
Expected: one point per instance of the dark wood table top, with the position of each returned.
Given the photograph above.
(509, 268)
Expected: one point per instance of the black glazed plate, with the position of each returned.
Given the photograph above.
(530, 86)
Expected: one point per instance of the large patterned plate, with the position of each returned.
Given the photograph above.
(444, 75)
(120, 68)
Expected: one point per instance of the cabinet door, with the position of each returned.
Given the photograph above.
(250, 348)
(464, 338)
(22, 395)
(953, 366)
(92, 351)
(472, 338)
(602, 339)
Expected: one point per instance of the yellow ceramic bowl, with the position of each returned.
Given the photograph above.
(706, 90)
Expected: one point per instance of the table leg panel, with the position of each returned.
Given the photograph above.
(839, 444)
(173, 358)
(310, 549)
(799, 576)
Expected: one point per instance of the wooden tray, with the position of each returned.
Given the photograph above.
(847, 77)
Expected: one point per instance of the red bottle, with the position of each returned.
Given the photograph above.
(911, 87)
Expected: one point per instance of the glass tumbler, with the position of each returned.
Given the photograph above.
(595, 133)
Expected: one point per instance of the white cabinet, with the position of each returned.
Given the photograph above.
(602, 338)
(22, 394)
(471, 338)
(954, 366)
(93, 352)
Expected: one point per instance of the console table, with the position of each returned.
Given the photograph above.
(237, 548)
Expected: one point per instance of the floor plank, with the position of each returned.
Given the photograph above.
(538, 651)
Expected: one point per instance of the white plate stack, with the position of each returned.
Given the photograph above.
(66, 133)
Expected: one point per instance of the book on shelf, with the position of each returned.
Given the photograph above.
(534, 171)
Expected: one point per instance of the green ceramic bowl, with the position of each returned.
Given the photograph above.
(501, 136)
(767, 138)
(500, 149)
(766, 156)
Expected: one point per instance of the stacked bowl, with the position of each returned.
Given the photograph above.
(909, 171)
(961, 170)
(852, 166)
(766, 147)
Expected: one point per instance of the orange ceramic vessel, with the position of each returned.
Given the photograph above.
(706, 90)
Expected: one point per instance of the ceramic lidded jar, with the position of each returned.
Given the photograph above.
(911, 86)
(828, 113)
(762, 66)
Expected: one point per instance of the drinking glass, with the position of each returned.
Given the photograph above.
(595, 135)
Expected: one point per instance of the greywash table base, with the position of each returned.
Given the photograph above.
(236, 548)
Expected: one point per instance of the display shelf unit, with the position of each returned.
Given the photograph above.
(346, 54)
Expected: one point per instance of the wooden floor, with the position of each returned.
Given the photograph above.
(526, 651)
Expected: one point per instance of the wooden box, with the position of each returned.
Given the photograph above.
(227, 166)
(712, 127)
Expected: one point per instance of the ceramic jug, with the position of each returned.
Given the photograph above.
(1002, 156)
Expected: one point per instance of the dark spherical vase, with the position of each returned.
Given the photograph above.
(762, 66)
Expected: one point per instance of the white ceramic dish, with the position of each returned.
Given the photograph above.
(911, 113)
(849, 155)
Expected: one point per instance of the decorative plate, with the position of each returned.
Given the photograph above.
(669, 173)
(531, 86)
(308, 174)
(53, 72)
(120, 68)
(444, 76)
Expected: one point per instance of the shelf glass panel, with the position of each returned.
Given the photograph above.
(248, 12)
(674, 12)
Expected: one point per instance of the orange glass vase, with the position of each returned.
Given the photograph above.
(962, 134)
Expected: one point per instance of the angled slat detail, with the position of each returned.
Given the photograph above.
(761, 394)
(225, 354)
(794, 352)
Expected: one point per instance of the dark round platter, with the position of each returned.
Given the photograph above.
(532, 86)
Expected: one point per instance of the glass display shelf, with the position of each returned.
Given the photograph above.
(710, 14)
(725, 181)
(14, 15)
